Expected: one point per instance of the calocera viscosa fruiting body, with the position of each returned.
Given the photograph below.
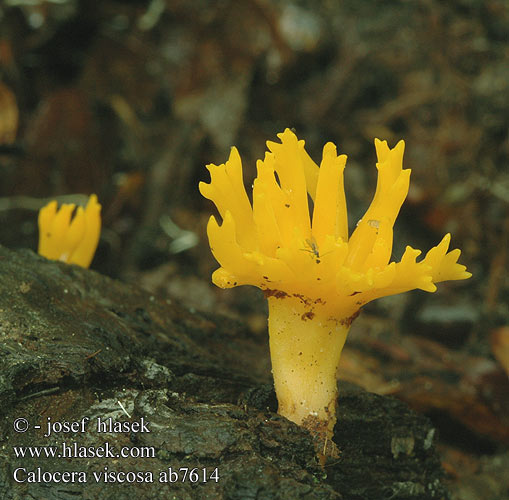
(315, 276)
(70, 234)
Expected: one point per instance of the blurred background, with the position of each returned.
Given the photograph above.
(131, 99)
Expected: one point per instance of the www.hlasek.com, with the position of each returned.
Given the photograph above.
(70, 449)
(73, 450)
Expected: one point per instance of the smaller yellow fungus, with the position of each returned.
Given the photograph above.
(315, 277)
(67, 238)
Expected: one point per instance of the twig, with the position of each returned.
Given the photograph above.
(44, 392)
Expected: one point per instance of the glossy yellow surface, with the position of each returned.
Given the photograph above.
(275, 243)
(71, 239)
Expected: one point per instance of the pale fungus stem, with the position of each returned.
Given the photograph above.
(305, 349)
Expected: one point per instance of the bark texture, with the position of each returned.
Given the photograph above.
(76, 344)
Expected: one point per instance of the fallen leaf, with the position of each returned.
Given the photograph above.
(9, 115)
(500, 346)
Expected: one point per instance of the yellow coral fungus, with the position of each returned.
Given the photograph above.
(72, 241)
(315, 277)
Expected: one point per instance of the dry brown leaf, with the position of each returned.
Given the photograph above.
(500, 346)
(9, 115)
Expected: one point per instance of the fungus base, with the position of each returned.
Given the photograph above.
(305, 348)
